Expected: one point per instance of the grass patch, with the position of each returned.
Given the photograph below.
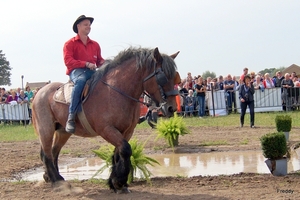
(65, 151)
(9, 133)
(261, 119)
(98, 181)
(227, 183)
(214, 143)
(180, 176)
(20, 182)
(157, 148)
(245, 141)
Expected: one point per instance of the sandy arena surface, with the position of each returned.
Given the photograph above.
(17, 157)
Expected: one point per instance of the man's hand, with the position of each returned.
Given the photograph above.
(91, 66)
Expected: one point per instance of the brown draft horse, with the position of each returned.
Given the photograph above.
(112, 108)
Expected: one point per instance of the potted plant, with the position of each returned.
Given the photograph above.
(274, 148)
(284, 124)
(171, 128)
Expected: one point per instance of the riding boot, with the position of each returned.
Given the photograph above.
(70, 126)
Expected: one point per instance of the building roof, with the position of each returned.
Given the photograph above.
(292, 68)
(35, 85)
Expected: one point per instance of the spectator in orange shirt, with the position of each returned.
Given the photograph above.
(245, 72)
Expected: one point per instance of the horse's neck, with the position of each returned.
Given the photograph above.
(125, 80)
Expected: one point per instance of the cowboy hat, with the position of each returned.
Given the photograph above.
(79, 19)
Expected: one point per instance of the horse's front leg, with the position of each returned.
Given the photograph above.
(120, 168)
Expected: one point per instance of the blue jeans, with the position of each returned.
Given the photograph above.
(78, 77)
(201, 103)
(189, 109)
(230, 100)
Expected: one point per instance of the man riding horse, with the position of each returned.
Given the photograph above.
(81, 56)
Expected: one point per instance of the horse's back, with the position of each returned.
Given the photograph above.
(44, 104)
(45, 94)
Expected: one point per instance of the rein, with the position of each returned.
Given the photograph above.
(122, 93)
(161, 80)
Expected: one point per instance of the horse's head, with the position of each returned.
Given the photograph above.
(160, 84)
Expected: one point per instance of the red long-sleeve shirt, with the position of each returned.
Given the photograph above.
(76, 54)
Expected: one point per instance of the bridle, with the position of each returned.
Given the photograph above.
(161, 80)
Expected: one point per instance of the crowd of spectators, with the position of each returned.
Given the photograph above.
(18, 96)
(229, 84)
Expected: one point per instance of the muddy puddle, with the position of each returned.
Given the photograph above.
(187, 165)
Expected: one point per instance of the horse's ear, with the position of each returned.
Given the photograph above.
(157, 56)
(174, 55)
(177, 78)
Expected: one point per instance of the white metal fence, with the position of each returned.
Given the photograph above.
(14, 113)
(267, 100)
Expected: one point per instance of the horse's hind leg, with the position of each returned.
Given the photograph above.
(51, 174)
(59, 140)
(46, 133)
(45, 175)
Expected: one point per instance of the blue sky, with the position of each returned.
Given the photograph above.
(222, 36)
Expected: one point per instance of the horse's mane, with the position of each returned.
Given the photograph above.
(144, 58)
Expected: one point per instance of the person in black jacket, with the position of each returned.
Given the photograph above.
(246, 92)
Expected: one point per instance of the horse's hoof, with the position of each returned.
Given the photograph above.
(124, 190)
(46, 178)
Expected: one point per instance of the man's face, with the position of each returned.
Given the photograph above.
(279, 75)
(84, 27)
(287, 76)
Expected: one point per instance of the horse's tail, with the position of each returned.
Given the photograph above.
(33, 119)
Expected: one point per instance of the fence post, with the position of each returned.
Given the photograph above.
(212, 98)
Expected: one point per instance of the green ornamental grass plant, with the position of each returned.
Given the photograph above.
(139, 160)
(171, 128)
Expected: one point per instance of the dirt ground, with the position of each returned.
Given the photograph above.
(17, 157)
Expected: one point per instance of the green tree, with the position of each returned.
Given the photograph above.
(4, 70)
(208, 74)
(271, 71)
(278, 69)
(267, 70)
